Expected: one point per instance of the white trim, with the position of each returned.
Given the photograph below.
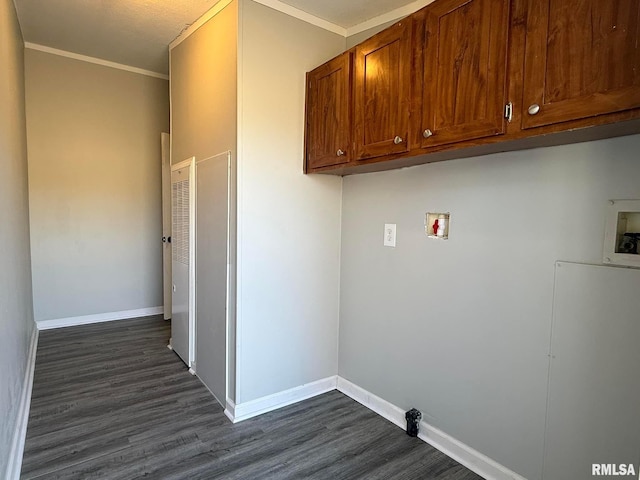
(383, 408)
(183, 164)
(170, 114)
(98, 318)
(227, 316)
(167, 291)
(204, 18)
(304, 16)
(253, 408)
(221, 154)
(97, 61)
(193, 197)
(609, 255)
(465, 455)
(275, 4)
(458, 451)
(388, 17)
(230, 410)
(17, 445)
(15, 8)
(239, 191)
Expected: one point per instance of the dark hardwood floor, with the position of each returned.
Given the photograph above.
(111, 401)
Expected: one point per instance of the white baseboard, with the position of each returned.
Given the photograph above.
(17, 445)
(98, 318)
(230, 410)
(461, 453)
(243, 411)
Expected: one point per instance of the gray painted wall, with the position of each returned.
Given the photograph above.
(460, 328)
(204, 89)
(288, 222)
(212, 218)
(94, 186)
(204, 123)
(16, 310)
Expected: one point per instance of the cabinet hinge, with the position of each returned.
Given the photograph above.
(508, 112)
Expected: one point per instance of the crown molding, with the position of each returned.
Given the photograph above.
(15, 8)
(218, 7)
(97, 61)
(275, 4)
(304, 16)
(204, 18)
(388, 17)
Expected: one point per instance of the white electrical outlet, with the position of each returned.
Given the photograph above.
(389, 234)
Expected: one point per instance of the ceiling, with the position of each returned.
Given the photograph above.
(137, 32)
(347, 13)
(131, 32)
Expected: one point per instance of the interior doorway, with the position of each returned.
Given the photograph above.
(165, 140)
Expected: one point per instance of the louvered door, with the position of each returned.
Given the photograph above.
(183, 260)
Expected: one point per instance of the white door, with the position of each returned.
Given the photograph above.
(165, 139)
(183, 260)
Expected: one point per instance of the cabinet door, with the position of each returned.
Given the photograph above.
(581, 59)
(329, 113)
(382, 92)
(465, 68)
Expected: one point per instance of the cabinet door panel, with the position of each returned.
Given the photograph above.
(382, 92)
(329, 113)
(464, 88)
(582, 59)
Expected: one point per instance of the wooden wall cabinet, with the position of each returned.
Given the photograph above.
(464, 90)
(328, 127)
(581, 59)
(382, 92)
(435, 86)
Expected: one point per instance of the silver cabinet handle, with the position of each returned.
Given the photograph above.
(533, 109)
(339, 153)
(397, 140)
(427, 133)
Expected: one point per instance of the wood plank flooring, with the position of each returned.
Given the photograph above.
(110, 401)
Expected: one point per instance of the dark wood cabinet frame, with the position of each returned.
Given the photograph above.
(584, 92)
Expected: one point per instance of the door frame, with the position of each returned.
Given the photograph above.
(165, 142)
